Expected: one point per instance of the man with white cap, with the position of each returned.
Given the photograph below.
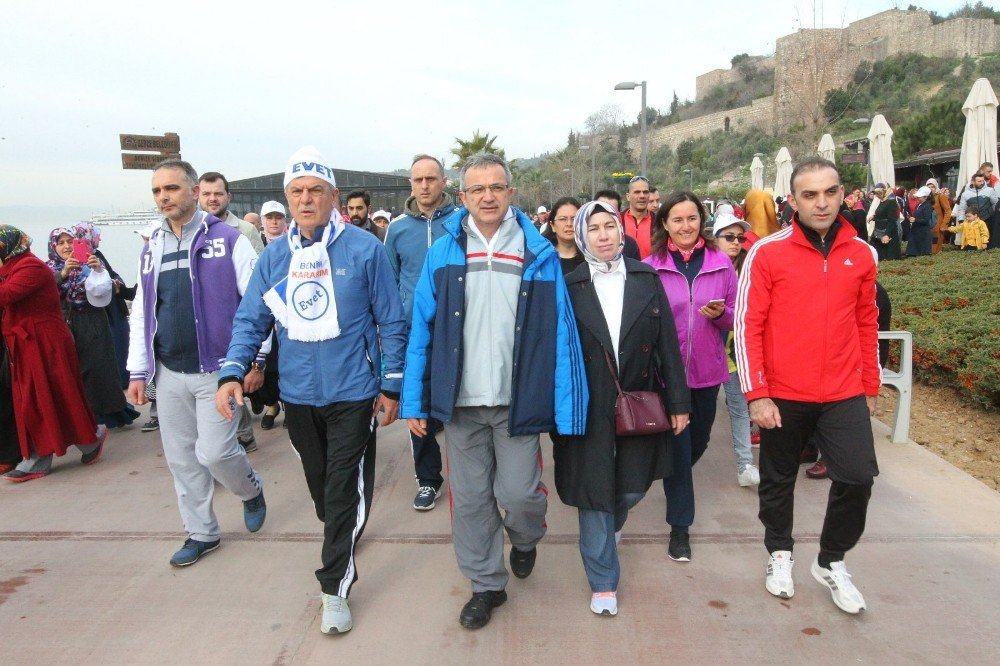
(329, 287)
(192, 274)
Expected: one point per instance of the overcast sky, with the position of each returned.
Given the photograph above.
(244, 84)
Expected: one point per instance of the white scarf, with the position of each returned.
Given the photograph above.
(304, 301)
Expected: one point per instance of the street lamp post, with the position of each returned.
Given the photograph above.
(550, 190)
(572, 180)
(631, 85)
(690, 172)
(591, 170)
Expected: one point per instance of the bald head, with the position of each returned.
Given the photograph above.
(254, 219)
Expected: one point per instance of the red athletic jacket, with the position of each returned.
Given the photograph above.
(807, 326)
(639, 230)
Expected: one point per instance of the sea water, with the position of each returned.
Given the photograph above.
(119, 244)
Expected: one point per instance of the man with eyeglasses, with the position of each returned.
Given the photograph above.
(637, 219)
(406, 242)
(495, 355)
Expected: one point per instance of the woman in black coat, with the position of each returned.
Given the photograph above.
(600, 473)
(922, 224)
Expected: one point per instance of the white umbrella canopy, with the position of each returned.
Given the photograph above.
(783, 175)
(979, 144)
(827, 148)
(756, 174)
(880, 152)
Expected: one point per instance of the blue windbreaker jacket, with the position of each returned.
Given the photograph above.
(549, 386)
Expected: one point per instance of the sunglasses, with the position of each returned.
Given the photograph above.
(636, 179)
(733, 238)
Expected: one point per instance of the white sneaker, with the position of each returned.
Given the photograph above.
(844, 594)
(779, 574)
(336, 615)
(604, 603)
(750, 476)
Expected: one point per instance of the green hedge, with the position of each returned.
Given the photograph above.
(951, 304)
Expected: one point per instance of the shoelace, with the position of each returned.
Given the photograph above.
(426, 491)
(781, 567)
(843, 580)
(332, 603)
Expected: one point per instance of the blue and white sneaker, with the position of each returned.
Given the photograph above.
(254, 512)
(191, 551)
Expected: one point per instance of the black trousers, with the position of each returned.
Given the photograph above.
(10, 449)
(427, 456)
(337, 446)
(843, 432)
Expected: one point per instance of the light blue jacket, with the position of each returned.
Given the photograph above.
(364, 359)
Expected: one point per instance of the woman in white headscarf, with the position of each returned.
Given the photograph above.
(626, 328)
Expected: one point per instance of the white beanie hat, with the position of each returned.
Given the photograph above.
(307, 161)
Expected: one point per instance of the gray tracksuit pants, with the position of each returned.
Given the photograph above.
(486, 468)
(200, 448)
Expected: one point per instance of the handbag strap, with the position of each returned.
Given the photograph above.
(611, 368)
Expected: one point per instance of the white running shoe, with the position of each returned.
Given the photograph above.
(604, 603)
(750, 476)
(779, 574)
(844, 594)
(336, 615)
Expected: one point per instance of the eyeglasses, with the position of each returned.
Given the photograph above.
(495, 188)
(733, 238)
(564, 218)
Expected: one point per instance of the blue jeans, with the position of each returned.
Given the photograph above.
(739, 419)
(597, 542)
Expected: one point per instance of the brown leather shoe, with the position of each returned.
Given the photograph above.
(817, 471)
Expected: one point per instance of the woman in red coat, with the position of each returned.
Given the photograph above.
(52, 412)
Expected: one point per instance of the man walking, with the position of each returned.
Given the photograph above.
(192, 274)
(358, 207)
(341, 333)
(407, 241)
(495, 355)
(807, 352)
(637, 219)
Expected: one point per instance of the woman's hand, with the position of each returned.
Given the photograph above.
(70, 266)
(95, 263)
(678, 422)
(712, 309)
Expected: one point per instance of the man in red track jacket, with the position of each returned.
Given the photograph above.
(807, 351)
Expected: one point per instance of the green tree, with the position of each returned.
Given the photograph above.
(480, 143)
(941, 126)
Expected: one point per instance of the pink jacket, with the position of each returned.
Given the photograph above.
(702, 340)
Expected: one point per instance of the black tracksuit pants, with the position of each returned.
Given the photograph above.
(337, 446)
(843, 432)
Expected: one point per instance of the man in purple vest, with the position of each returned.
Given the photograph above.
(192, 275)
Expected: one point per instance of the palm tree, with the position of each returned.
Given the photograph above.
(480, 143)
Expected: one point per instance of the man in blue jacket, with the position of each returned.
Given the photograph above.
(495, 355)
(341, 332)
(407, 241)
(192, 275)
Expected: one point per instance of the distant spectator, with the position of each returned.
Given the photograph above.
(975, 234)
(884, 220)
(611, 197)
(991, 178)
(942, 214)
(922, 222)
(760, 213)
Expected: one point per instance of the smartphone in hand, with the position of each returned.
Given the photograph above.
(81, 250)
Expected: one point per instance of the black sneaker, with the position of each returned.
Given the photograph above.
(249, 446)
(679, 548)
(151, 425)
(522, 561)
(477, 612)
(426, 496)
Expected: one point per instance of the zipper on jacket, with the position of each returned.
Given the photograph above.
(191, 254)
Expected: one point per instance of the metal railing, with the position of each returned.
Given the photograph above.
(902, 381)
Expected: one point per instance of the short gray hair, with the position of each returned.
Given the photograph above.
(175, 163)
(423, 156)
(484, 161)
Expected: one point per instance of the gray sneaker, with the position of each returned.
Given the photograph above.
(336, 615)
(248, 446)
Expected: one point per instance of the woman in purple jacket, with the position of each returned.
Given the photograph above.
(700, 283)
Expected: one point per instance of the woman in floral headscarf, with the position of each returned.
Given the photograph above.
(52, 412)
(85, 290)
(626, 328)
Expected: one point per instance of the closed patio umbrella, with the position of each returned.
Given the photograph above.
(880, 152)
(756, 174)
(783, 175)
(979, 144)
(827, 148)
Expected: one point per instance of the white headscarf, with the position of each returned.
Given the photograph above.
(580, 232)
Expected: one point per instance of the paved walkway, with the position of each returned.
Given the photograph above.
(84, 575)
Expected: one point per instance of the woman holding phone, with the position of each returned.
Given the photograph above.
(85, 288)
(700, 283)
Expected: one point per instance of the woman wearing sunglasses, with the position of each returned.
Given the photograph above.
(700, 283)
(731, 234)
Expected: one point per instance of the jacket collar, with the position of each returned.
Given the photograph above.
(446, 207)
(714, 260)
(637, 297)
(535, 245)
(804, 236)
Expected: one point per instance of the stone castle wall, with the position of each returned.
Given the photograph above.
(808, 63)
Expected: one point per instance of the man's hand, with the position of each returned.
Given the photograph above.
(253, 381)
(136, 392)
(678, 422)
(225, 395)
(765, 413)
(871, 400)
(390, 406)
(417, 426)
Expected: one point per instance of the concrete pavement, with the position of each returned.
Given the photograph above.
(84, 575)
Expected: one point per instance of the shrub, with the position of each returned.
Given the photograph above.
(951, 305)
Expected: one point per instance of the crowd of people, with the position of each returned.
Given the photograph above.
(612, 330)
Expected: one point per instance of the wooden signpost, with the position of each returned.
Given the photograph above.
(166, 147)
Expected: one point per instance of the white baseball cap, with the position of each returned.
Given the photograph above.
(383, 214)
(924, 191)
(272, 207)
(723, 220)
(542, 209)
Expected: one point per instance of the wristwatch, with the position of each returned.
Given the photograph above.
(259, 367)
